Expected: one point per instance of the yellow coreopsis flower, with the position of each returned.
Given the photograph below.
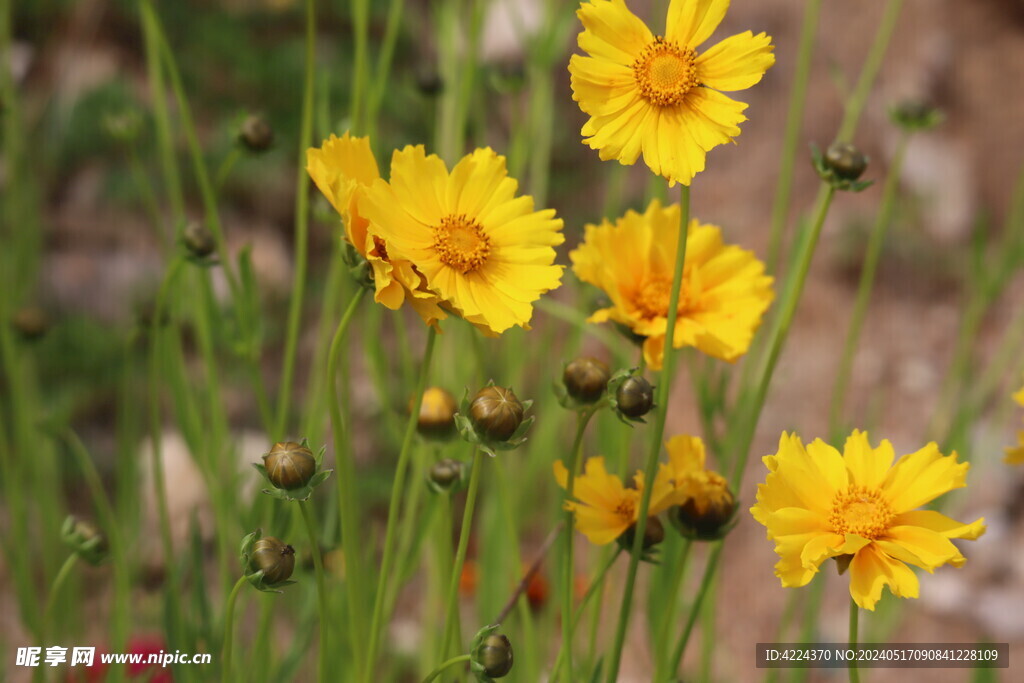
(484, 251)
(343, 170)
(605, 508)
(692, 482)
(1015, 454)
(724, 289)
(817, 504)
(655, 95)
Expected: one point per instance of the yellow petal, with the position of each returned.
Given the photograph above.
(691, 22)
(561, 473)
(922, 476)
(868, 466)
(736, 63)
(940, 523)
(871, 569)
(929, 549)
(611, 31)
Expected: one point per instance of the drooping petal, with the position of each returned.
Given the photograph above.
(871, 569)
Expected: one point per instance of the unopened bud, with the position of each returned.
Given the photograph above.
(256, 134)
(437, 414)
(496, 412)
(654, 533)
(289, 465)
(494, 655)
(275, 559)
(198, 239)
(585, 379)
(635, 397)
(447, 474)
(845, 161)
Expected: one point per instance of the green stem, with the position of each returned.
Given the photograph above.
(348, 508)
(301, 226)
(592, 589)
(854, 614)
(451, 662)
(780, 330)
(229, 630)
(794, 118)
(383, 72)
(460, 554)
(55, 588)
(867, 280)
(705, 584)
(582, 419)
(650, 470)
(224, 170)
(321, 588)
(671, 599)
(360, 23)
(855, 105)
(397, 488)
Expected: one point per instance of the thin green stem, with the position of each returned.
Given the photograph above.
(867, 280)
(568, 572)
(301, 227)
(360, 23)
(872, 65)
(794, 119)
(383, 72)
(650, 470)
(321, 588)
(671, 600)
(854, 615)
(348, 508)
(452, 600)
(705, 584)
(55, 588)
(229, 630)
(397, 487)
(451, 662)
(226, 166)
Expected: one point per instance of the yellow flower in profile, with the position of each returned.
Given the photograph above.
(343, 170)
(818, 504)
(484, 251)
(1015, 454)
(604, 507)
(724, 290)
(655, 95)
(693, 483)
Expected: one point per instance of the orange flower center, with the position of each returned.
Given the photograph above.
(461, 243)
(653, 298)
(626, 509)
(665, 72)
(861, 511)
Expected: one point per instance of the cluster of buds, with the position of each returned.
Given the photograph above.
(490, 655)
(85, 540)
(494, 419)
(267, 562)
(293, 470)
(587, 384)
(841, 166)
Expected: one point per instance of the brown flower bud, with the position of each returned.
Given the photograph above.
(585, 379)
(654, 533)
(198, 239)
(494, 655)
(256, 134)
(446, 473)
(496, 412)
(437, 414)
(289, 465)
(845, 160)
(635, 397)
(275, 559)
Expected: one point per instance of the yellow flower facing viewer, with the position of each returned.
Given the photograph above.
(1015, 454)
(656, 95)
(817, 504)
(605, 508)
(343, 170)
(485, 252)
(724, 291)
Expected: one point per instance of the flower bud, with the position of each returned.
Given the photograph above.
(845, 161)
(31, 322)
(437, 414)
(707, 515)
(85, 539)
(275, 559)
(289, 465)
(123, 126)
(494, 655)
(496, 412)
(654, 533)
(915, 115)
(198, 239)
(429, 83)
(256, 134)
(635, 397)
(585, 379)
(446, 474)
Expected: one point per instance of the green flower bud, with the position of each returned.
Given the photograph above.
(446, 474)
(85, 539)
(123, 126)
(845, 161)
(290, 465)
(586, 379)
(496, 412)
(635, 397)
(256, 134)
(437, 414)
(493, 655)
(654, 533)
(275, 559)
(198, 239)
(915, 115)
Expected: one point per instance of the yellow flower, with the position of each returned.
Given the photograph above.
(702, 488)
(1015, 454)
(655, 95)
(724, 290)
(484, 251)
(818, 504)
(604, 507)
(343, 170)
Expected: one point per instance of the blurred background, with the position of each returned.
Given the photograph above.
(90, 258)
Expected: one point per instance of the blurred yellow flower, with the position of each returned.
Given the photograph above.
(604, 507)
(484, 251)
(1015, 454)
(694, 484)
(655, 95)
(343, 169)
(817, 504)
(724, 289)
